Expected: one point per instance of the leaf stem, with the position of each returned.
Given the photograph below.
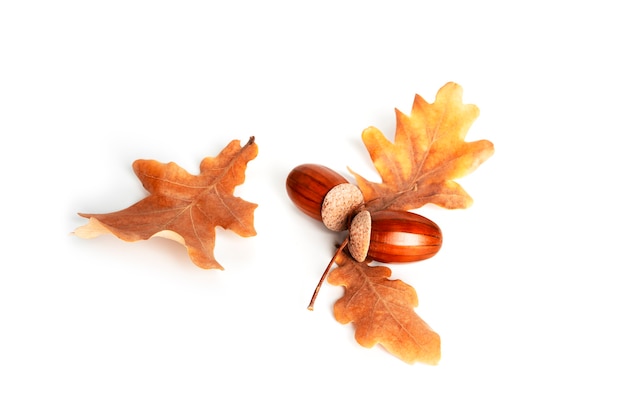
(332, 261)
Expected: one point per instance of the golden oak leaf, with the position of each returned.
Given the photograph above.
(429, 151)
(184, 207)
(383, 311)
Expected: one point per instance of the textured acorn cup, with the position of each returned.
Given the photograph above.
(359, 235)
(394, 237)
(339, 205)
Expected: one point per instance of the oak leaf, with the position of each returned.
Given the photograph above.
(428, 152)
(382, 311)
(184, 207)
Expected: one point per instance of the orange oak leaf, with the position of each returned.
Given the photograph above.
(184, 207)
(382, 311)
(429, 151)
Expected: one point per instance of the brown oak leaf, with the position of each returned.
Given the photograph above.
(184, 207)
(429, 151)
(382, 311)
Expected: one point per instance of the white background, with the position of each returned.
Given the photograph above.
(527, 292)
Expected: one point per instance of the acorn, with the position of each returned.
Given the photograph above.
(324, 194)
(393, 236)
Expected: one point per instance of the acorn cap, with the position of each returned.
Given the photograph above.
(360, 233)
(339, 204)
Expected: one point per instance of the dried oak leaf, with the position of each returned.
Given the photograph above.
(429, 151)
(184, 207)
(383, 311)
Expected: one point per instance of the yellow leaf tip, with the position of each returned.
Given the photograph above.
(91, 229)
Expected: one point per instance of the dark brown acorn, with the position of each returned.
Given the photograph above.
(323, 194)
(393, 236)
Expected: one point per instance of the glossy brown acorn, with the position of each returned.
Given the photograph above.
(324, 195)
(308, 184)
(402, 237)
